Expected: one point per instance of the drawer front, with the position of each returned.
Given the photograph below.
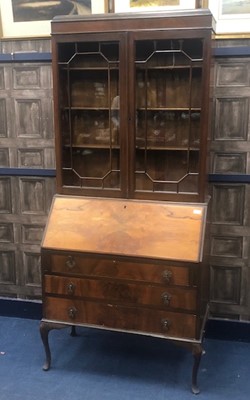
(108, 268)
(123, 292)
(163, 323)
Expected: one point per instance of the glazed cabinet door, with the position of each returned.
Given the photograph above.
(88, 93)
(169, 108)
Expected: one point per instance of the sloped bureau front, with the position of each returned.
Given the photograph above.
(125, 265)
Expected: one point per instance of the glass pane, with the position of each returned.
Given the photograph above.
(166, 171)
(167, 128)
(168, 112)
(89, 108)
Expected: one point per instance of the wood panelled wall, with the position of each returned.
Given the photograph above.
(27, 182)
(26, 153)
(230, 189)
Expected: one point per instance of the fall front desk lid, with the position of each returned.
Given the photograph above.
(173, 231)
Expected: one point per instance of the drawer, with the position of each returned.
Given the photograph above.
(119, 269)
(122, 292)
(133, 319)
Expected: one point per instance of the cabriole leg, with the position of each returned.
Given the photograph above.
(45, 328)
(197, 353)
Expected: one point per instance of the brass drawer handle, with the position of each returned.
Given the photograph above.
(166, 297)
(70, 262)
(165, 323)
(71, 288)
(167, 275)
(72, 311)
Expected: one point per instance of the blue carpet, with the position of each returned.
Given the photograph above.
(115, 366)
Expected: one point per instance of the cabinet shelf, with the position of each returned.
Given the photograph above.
(167, 148)
(89, 68)
(92, 146)
(142, 148)
(169, 67)
(169, 109)
(89, 108)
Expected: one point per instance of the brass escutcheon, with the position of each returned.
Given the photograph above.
(165, 324)
(70, 262)
(166, 297)
(72, 312)
(167, 275)
(71, 288)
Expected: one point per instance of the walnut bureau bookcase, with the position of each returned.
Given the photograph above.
(124, 245)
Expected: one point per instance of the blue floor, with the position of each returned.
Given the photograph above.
(115, 366)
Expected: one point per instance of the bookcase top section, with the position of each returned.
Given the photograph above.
(118, 22)
(173, 231)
